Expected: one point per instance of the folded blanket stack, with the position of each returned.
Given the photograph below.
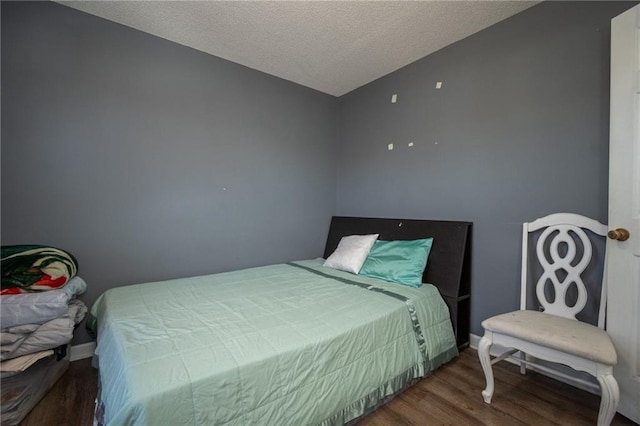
(39, 310)
(33, 322)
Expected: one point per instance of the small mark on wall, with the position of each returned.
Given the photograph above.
(438, 85)
(390, 147)
(410, 144)
(394, 98)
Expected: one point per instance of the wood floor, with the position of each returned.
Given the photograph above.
(451, 396)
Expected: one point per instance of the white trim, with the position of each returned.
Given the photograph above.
(82, 351)
(497, 350)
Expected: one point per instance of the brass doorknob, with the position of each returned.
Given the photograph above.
(619, 234)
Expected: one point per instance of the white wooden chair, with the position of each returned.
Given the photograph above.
(556, 335)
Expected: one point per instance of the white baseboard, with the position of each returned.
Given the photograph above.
(497, 350)
(82, 351)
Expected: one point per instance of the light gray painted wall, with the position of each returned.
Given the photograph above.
(149, 160)
(518, 130)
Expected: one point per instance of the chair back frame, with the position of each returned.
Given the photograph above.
(559, 227)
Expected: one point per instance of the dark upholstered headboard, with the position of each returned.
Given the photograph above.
(449, 263)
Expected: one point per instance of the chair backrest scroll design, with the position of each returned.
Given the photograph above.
(561, 234)
(564, 251)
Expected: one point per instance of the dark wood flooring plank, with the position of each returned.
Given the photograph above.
(70, 401)
(463, 398)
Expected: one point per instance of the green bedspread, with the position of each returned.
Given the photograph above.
(276, 345)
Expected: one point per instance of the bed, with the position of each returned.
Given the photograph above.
(295, 343)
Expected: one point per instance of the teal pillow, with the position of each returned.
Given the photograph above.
(398, 261)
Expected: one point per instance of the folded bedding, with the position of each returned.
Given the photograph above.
(39, 307)
(35, 268)
(12, 366)
(21, 391)
(30, 338)
(283, 344)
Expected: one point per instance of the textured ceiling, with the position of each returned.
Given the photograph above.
(330, 46)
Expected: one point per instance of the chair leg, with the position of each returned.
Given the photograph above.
(523, 366)
(609, 399)
(485, 360)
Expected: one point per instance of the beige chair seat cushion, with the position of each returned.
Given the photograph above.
(563, 334)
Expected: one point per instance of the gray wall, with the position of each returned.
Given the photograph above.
(118, 146)
(149, 160)
(518, 130)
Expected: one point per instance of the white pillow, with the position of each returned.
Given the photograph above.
(351, 253)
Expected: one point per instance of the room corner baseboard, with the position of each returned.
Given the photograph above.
(497, 350)
(473, 341)
(82, 351)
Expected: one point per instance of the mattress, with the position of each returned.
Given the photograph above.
(283, 344)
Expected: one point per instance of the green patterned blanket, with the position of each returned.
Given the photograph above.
(35, 267)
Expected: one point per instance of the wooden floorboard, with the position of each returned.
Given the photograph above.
(70, 401)
(451, 396)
